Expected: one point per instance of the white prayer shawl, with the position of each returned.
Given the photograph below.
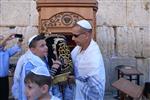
(54, 98)
(89, 72)
(19, 75)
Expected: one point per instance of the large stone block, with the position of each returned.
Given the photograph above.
(15, 13)
(108, 73)
(34, 15)
(105, 39)
(138, 12)
(133, 41)
(111, 12)
(125, 41)
(146, 42)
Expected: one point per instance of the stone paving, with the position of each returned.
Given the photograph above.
(109, 97)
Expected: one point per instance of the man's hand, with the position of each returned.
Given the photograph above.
(71, 79)
(10, 37)
(56, 64)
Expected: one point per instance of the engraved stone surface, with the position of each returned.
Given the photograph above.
(15, 13)
(34, 15)
(112, 12)
(105, 39)
(133, 41)
(138, 12)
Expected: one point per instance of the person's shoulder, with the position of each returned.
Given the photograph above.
(93, 45)
(93, 42)
(76, 48)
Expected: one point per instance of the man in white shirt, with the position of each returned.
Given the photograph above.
(88, 64)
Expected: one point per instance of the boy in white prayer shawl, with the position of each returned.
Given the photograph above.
(37, 84)
(34, 57)
(88, 64)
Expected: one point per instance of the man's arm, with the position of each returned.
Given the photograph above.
(13, 50)
(16, 48)
(10, 37)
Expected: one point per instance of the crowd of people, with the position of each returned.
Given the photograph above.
(32, 78)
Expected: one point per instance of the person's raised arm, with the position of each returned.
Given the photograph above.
(10, 37)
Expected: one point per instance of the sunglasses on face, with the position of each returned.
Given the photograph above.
(75, 35)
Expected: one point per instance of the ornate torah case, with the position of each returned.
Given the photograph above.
(59, 16)
(59, 50)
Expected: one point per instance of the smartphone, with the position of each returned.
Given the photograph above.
(18, 35)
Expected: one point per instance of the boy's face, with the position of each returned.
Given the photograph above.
(33, 91)
(40, 49)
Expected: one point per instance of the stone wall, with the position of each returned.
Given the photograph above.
(19, 15)
(123, 31)
(123, 34)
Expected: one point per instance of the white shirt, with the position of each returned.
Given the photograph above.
(54, 98)
(88, 63)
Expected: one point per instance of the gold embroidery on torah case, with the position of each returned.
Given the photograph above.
(59, 50)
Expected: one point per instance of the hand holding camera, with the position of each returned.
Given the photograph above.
(18, 36)
(15, 34)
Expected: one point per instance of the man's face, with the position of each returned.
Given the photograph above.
(32, 91)
(40, 48)
(78, 37)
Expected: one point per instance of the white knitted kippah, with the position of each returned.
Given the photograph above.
(41, 71)
(85, 24)
(30, 39)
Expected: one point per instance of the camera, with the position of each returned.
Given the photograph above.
(18, 35)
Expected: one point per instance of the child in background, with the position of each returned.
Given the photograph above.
(37, 84)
